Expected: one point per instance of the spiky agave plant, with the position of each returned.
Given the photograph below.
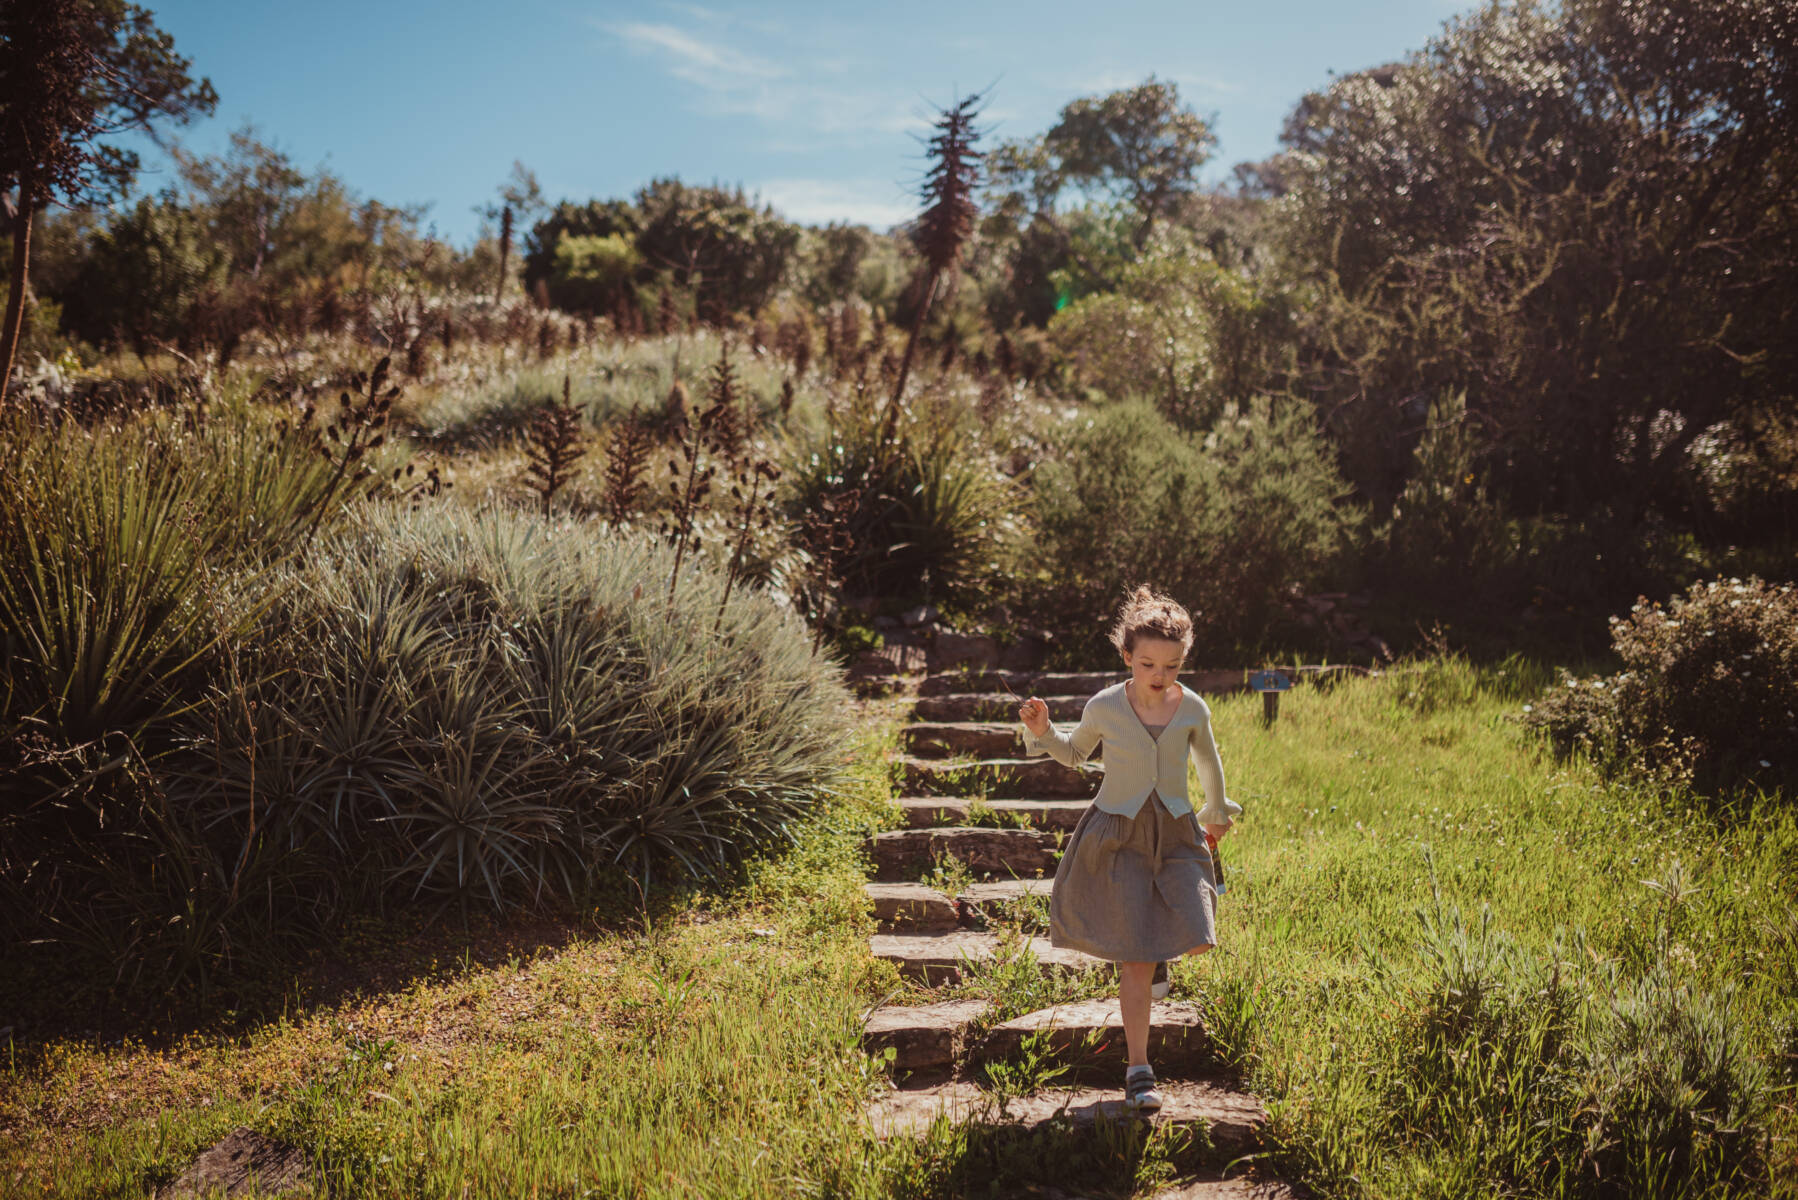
(947, 223)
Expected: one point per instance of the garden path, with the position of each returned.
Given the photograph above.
(994, 822)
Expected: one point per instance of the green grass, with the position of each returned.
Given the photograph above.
(714, 1054)
(1387, 823)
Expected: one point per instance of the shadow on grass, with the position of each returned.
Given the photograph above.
(44, 998)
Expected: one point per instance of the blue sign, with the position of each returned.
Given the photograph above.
(1269, 681)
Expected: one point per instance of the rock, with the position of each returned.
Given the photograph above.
(939, 959)
(941, 740)
(922, 812)
(1090, 1033)
(242, 1161)
(1008, 778)
(921, 1038)
(912, 906)
(921, 615)
(964, 650)
(1234, 1117)
(1027, 652)
(903, 854)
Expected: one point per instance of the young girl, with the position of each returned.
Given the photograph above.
(1136, 884)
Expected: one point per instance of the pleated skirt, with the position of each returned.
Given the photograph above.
(1135, 889)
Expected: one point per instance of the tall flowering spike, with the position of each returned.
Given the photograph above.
(948, 191)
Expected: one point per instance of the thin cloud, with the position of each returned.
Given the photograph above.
(696, 61)
(734, 82)
(821, 201)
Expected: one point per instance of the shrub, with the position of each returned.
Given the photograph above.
(1221, 521)
(924, 517)
(490, 709)
(1707, 695)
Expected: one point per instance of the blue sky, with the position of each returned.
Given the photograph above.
(817, 108)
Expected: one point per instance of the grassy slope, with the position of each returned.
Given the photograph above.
(1358, 799)
(709, 1056)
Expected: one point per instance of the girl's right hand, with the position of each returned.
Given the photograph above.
(1035, 715)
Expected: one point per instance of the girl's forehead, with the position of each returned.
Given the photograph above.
(1158, 648)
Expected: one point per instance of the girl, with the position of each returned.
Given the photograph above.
(1136, 884)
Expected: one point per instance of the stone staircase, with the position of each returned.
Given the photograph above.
(978, 812)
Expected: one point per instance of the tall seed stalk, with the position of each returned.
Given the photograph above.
(946, 225)
(627, 457)
(554, 446)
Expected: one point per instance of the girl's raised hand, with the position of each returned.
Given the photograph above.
(1035, 715)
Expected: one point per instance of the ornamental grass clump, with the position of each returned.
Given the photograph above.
(1708, 694)
(490, 709)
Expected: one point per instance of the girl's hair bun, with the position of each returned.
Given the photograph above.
(1148, 613)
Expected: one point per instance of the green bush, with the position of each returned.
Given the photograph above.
(925, 517)
(489, 709)
(1222, 521)
(1707, 693)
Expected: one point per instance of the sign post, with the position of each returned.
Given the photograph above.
(1270, 684)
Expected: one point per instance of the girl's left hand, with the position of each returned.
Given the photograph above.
(1217, 832)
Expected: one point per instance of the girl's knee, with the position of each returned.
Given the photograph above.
(1198, 950)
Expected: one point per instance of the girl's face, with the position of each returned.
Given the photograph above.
(1154, 662)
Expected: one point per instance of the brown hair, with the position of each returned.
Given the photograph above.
(1148, 613)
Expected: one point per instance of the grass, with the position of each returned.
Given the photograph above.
(1385, 805)
(712, 1051)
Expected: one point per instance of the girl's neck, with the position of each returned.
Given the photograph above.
(1147, 708)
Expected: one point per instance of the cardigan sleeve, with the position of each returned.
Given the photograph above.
(1202, 747)
(1070, 750)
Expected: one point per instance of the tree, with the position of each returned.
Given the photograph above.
(1580, 216)
(71, 73)
(143, 274)
(251, 191)
(1138, 145)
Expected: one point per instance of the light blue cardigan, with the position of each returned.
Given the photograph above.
(1136, 763)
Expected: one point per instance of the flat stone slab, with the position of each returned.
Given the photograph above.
(921, 1037)
(939, 958)
(242, 1163)
(981, 903)
(912, 906)
(991, 707)
(1090, 1033)
(903, 854)
(1043, 683)
(940, 739)
(1234, 1117)
(1239, 1186)
(922, 812)
(1008, 778)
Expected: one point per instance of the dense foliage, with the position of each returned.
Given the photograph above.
(1224, 521)
(1707, 692)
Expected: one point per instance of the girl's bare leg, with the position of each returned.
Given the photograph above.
(1133, 1007)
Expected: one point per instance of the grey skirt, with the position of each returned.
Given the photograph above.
(1134, 889)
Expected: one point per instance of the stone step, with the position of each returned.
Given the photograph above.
(938, 959)
(994, 706)
(980, 903)
(1005, 778)
(922, 1038)
(1043, 683)
(1088, 1035)
(921, 812)
(913, 907)
(904, 854)
(1235, 1118)
(1207, 681)
(990, 739)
